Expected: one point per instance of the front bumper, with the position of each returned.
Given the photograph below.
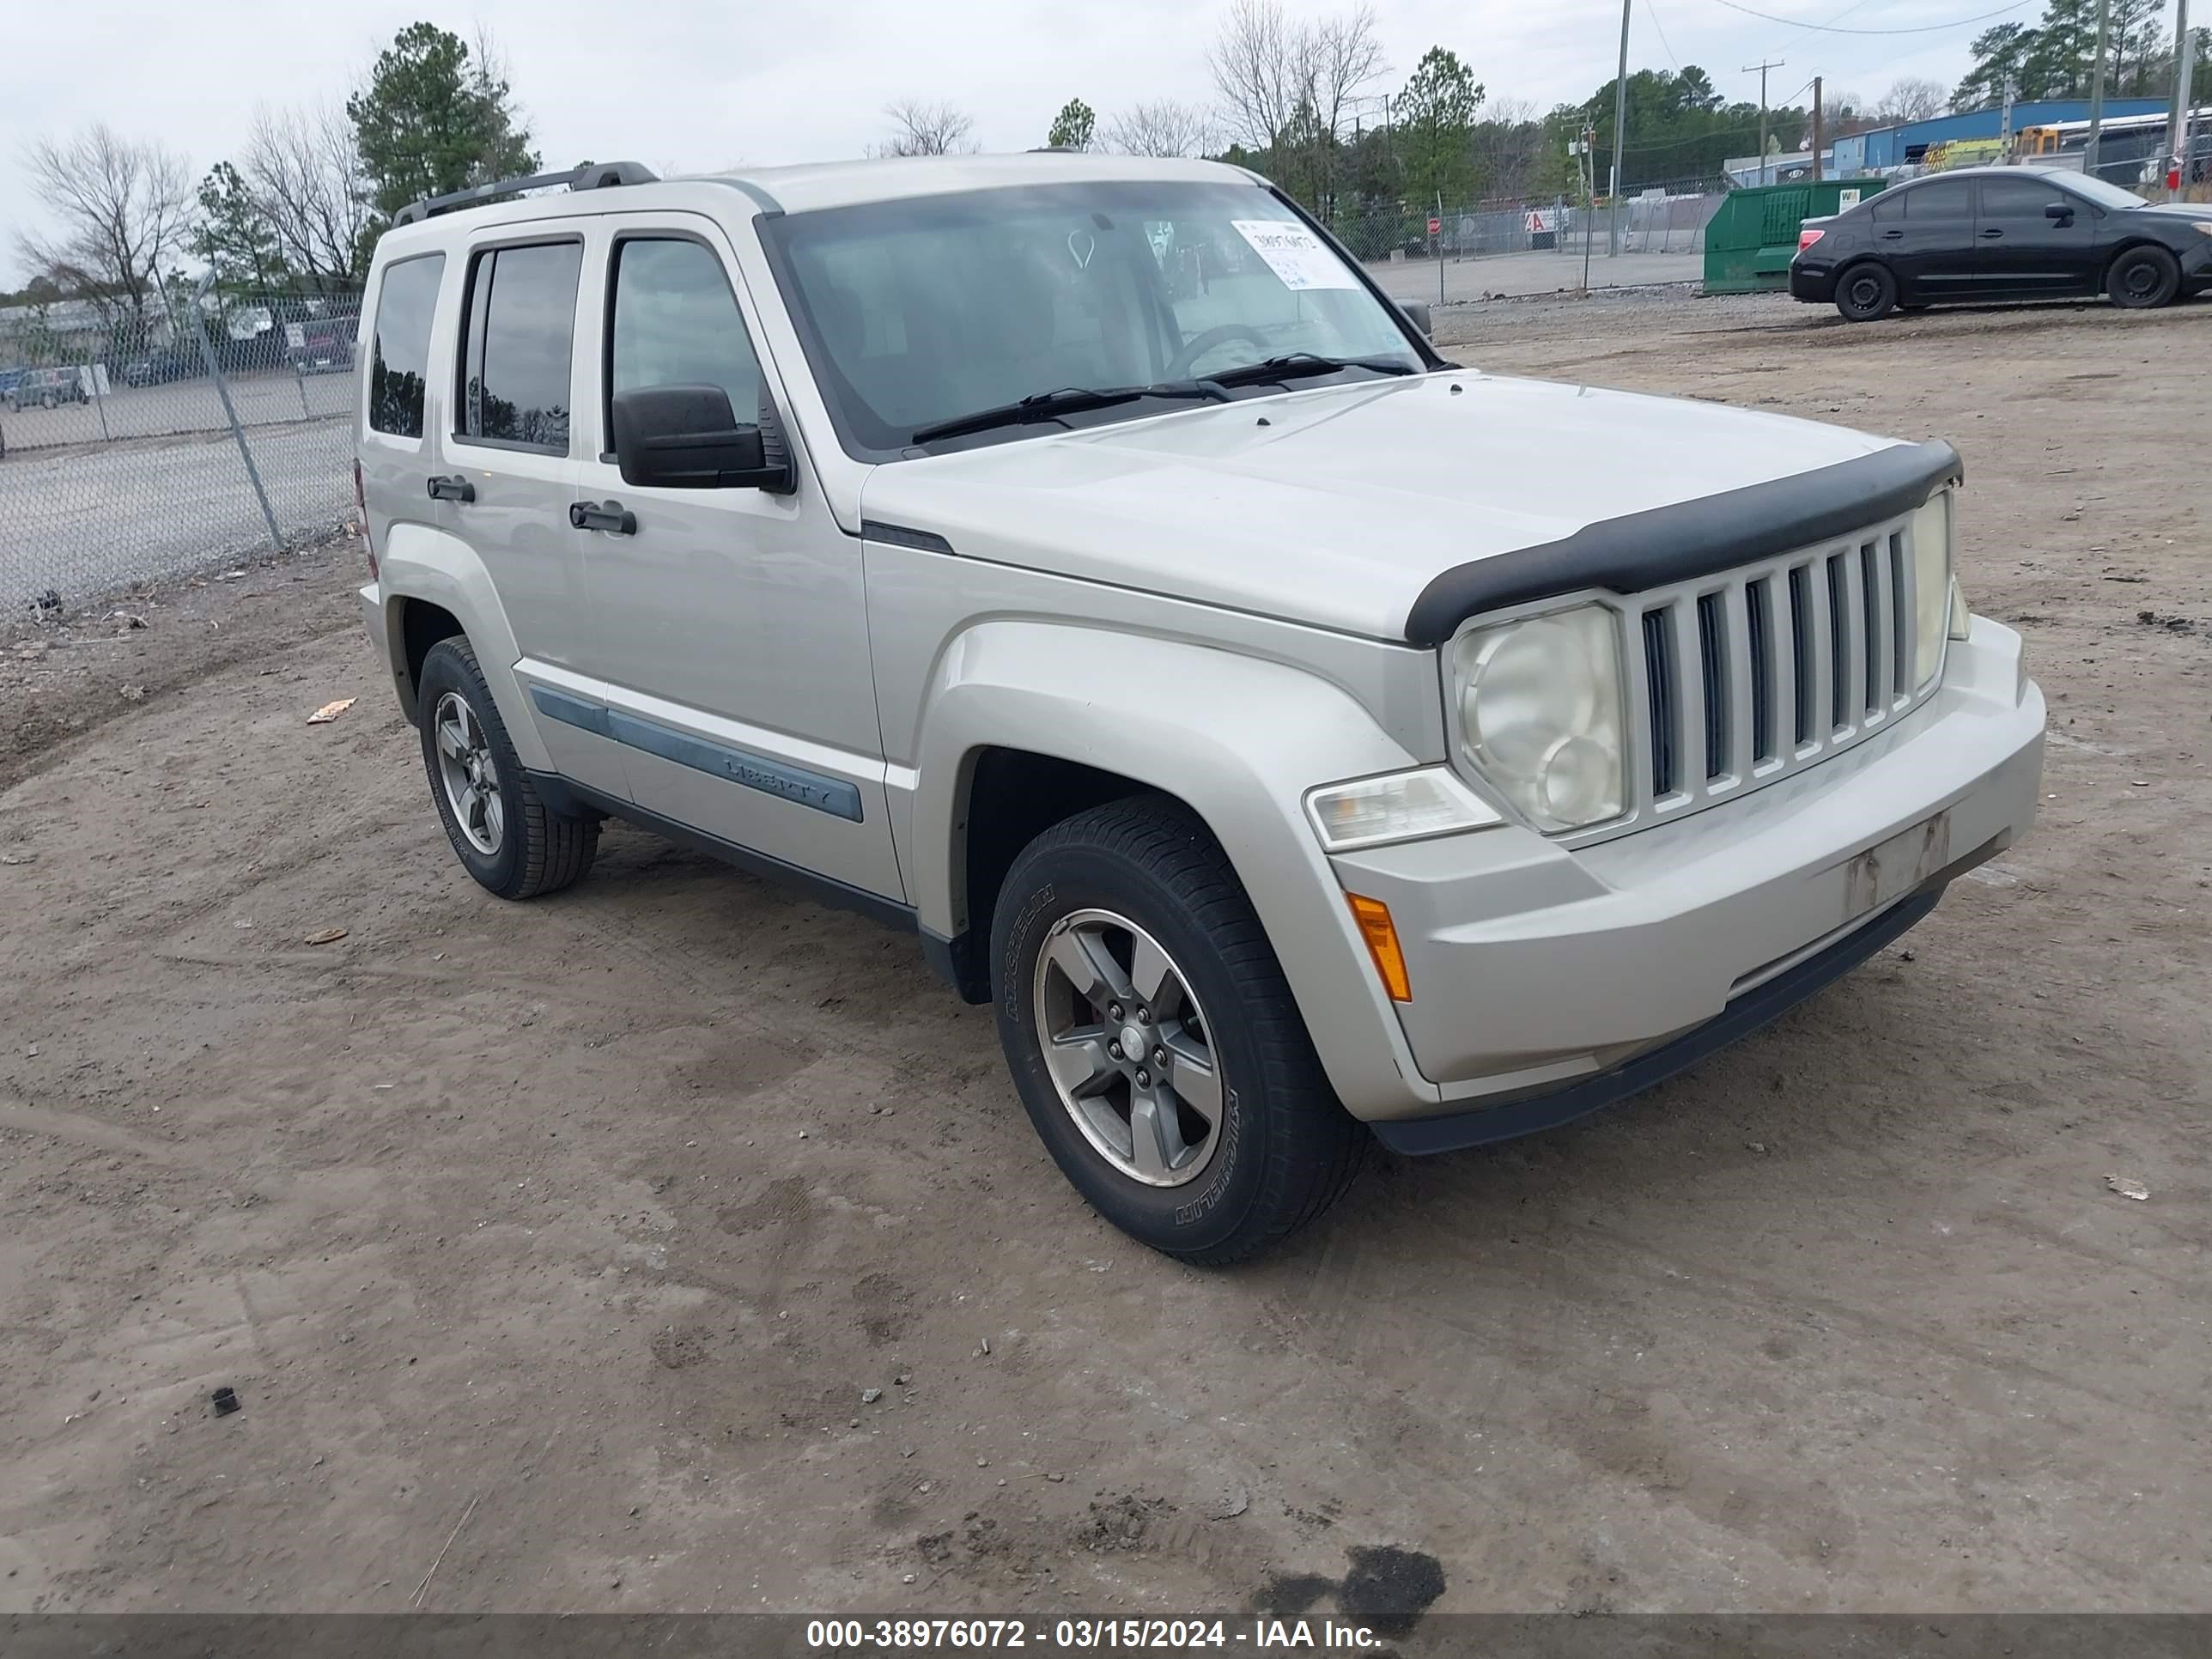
(1535, 970)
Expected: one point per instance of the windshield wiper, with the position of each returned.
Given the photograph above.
(1294, 364)
(1068, 400)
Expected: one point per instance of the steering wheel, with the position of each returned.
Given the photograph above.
(1202, 344)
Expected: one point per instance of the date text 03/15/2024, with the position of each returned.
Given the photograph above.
(1167, 1635)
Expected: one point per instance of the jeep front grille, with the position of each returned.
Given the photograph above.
(1750, 676)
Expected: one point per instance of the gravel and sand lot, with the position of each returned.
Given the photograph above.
(591, 1225)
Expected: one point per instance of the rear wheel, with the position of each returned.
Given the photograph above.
(1866, 293)
(2142, 277)
(1154, 1040)
(510, 841)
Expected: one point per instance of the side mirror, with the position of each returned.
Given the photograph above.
(2059, 213)
(1417, 313)
(685, 437)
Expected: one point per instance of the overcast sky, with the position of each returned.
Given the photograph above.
(700, 84)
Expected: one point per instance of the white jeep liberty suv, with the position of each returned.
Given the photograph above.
(1079, 561)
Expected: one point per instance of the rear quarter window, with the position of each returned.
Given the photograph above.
(399, 366)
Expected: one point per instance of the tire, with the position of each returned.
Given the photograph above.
(1866, 293)
(1278, 1150)
(2142, 277)
(515, 846)
(47, 400)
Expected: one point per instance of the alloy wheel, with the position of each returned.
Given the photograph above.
(466, 769)
(1128, 1048)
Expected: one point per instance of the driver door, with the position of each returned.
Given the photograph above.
(2022, 249)
(731, 643)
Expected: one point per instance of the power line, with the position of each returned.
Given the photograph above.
(1855, 6)
(1829, 28)
(1652, 12)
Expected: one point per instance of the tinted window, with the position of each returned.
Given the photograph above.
(676, 323)
(405, 307)
(517, 335)
(2019, 199)
(1953, 199)
(1889, 207)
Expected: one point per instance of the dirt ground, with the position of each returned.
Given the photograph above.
(552, 1247)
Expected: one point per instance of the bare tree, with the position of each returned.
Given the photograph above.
(1912, 99)
(1342, 55)
(1288, 89)
(1509, 143)
(123, 207)
(304, 170)
(1259, 62)
(1163, 127)
(928, 129)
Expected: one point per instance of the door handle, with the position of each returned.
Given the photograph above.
(1893, 236)
(455, 488)
(610, 516)
(1992, 232)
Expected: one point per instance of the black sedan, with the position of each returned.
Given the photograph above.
(2002, 234)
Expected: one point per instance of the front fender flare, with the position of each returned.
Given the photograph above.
(1237, 738)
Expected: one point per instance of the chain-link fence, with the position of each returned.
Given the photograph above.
(1535, 244)
(140, 440)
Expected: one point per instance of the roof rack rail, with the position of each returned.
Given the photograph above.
(588, 175)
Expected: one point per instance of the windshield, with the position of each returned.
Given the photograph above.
(2103, 194)
(920, 312)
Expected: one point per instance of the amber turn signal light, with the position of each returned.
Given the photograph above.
(1382, 936)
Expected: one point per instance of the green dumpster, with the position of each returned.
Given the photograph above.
(1752, 239)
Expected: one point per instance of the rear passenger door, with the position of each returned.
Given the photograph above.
(511, 470)
(1929, 243)
(732, 643)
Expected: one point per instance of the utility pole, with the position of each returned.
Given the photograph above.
(1759, 69)
(1816, 129)
(2184, 68)
(1619, 130)
(2097, 89)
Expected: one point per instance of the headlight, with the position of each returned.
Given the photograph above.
(1402, 806)
(1540, 707)
(1931, 585)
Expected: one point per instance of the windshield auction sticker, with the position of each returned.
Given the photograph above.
(1295, 254)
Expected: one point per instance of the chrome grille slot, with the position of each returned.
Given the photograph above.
(1759, 599)
(1802, 648)
(1873, 588)
(1659, 679)
(1712, 668)
(1760, 672)
(1837, 602)
(1901, 625)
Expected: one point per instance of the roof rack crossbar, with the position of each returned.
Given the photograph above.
(588, 175)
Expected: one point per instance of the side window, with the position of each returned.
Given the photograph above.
(674, 322)
(517, 336)
(1889, 208)
(1949, 199)
(2017, 199)
(401, 349)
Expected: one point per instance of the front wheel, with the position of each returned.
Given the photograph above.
(1154, 1040)
(1866, 293)
(510, 841)
(2142, 277)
